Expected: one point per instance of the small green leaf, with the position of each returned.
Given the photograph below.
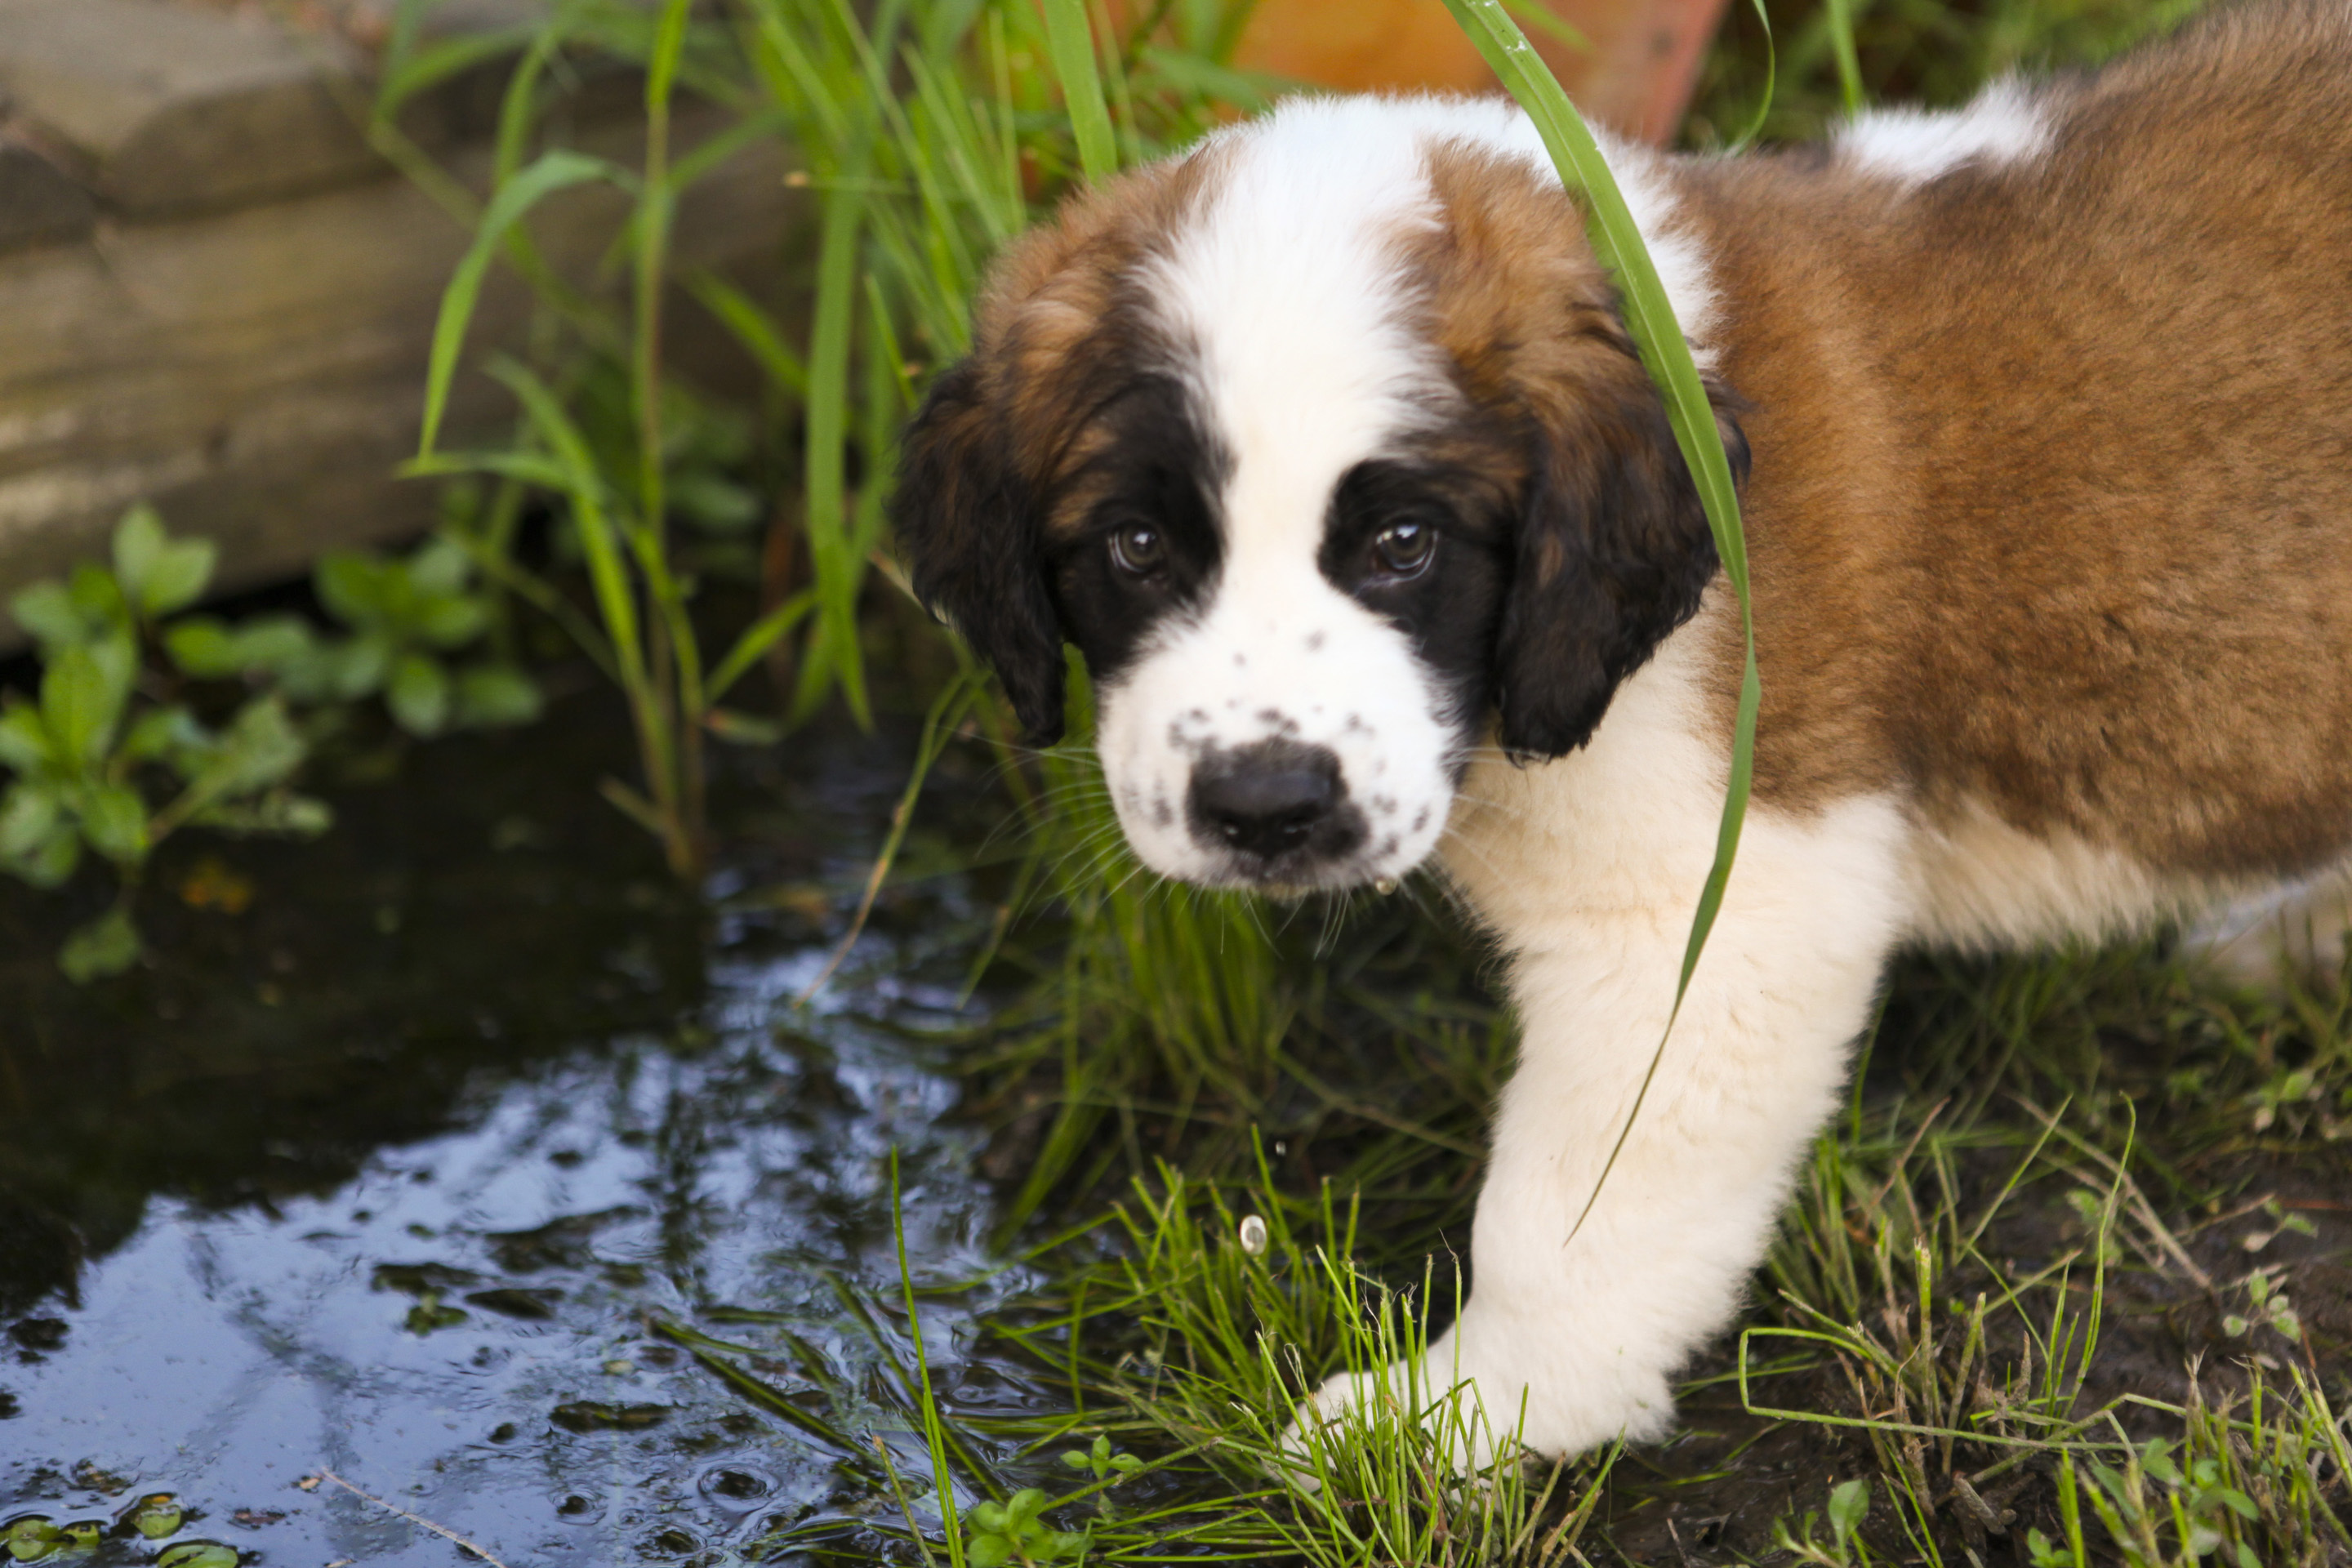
(259, 748)
(29, 814)
(83, 694)
(139, 542)
(418, 694)
(274, 642)
(989, 1552)
(352, 586)
(156, 572)
(495, 696)
(48, 862)
(107, 945)
(114, 820)
(1849, 1501)
(84, 1534)
(24, 739)
(203, 646)
(49, 616)
(99, 599)
(279, 812)
(159, 1514)
(439, 568)
(199, 1555)
(162, 732)
(451, 620)
(361, 666)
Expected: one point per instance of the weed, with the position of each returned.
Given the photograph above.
(112, 757)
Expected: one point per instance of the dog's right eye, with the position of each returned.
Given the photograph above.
(1139, 550)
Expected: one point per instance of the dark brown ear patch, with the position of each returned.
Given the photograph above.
(1611, 549)
(1003, 457)
(967, 524)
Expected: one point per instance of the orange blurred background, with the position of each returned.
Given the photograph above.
(1635, 77)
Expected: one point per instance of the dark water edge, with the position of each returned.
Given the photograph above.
(394, 1170)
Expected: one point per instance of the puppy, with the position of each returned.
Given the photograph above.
(1326, 446)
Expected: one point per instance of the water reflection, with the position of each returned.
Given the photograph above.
(407, 1196)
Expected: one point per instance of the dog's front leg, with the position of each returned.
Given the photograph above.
(1578, 1329)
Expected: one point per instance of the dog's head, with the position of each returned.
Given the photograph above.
(1328, 449)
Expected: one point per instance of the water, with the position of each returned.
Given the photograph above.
(396, 1171)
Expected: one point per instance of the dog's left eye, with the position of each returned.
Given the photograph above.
(1139, 550)
(1403, 550)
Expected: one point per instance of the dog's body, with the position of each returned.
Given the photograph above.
(1327, 447)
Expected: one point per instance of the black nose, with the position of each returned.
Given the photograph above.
(1267, 799)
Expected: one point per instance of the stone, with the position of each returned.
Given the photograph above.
(40, 203)
(174, 109)
(258, 373)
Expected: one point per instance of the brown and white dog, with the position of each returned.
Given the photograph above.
(1326, 446)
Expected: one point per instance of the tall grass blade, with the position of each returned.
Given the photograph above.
(934, 1429)
(1071, 41)
(1665, 354)
(552, 172)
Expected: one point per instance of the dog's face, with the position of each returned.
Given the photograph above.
(1328, 449)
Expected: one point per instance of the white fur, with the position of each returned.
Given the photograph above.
(2002, 124)
(1287, 292)
(1980, 883)
(1586, 869)
(1288, 288)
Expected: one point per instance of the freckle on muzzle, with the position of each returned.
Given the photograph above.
(1279, 805)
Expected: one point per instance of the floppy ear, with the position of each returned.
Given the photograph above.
(1612, 551)
(967, 525)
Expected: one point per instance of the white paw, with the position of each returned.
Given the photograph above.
(1359, 1409)
(1470, 1415)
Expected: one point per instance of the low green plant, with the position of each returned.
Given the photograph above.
(103, 766)
(1010, 1532)
(112, 755)
(406, 618)
(1849, 1505)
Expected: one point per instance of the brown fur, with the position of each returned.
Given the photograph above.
(2052, 505)
(1058, 328)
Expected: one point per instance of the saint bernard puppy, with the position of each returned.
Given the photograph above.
(1326, 446)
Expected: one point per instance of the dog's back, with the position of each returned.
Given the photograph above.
(2052, 505)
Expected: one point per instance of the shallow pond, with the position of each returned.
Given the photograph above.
(398, 1154)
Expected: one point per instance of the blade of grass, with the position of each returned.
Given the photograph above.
(1665, 354)
(1071, 42)
(552, 172)
(934, 1432)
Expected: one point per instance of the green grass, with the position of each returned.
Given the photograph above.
(2013, 1314)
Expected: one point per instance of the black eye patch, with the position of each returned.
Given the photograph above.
(1423, 544)
(1146, 544)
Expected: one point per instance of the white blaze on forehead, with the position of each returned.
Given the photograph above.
(1286, 287)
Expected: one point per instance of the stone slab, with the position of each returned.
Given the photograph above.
(40, 203)
(258, 373)
(176, 108)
